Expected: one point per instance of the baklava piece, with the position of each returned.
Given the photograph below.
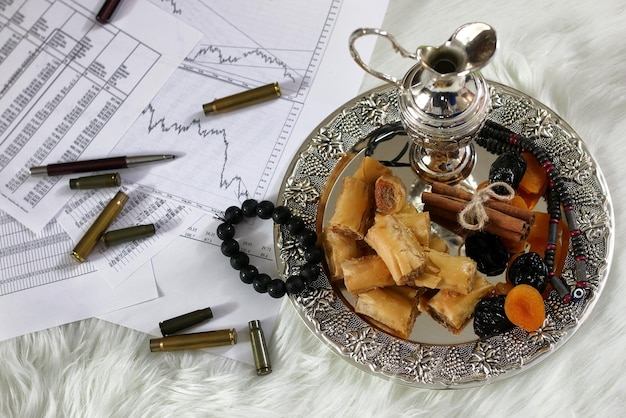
(389, 194)
(371, 169)
(393, 309)
(397, 246)
(354, 209)
(454, 310)
(365, 273)
(457, 273)
(338, 248)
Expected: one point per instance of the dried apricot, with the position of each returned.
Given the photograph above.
(524, 307)
(538, 236)
(518, 201)
(535, 179)
(502, 288)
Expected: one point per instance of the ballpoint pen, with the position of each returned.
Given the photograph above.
(112, 163)
(107, 10)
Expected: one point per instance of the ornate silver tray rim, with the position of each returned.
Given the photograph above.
(305, 189)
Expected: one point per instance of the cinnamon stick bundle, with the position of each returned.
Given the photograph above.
(450, 222)
(509, 222)
(445, 189)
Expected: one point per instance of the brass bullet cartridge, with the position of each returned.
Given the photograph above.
(179, 323)
(96, 182)
(119, 236)
(259, 348)
(102, 222)
(243, 99)
(194, 341)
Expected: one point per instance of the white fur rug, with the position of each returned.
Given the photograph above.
(571, 55)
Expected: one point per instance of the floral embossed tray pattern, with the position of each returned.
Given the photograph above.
(419, 362)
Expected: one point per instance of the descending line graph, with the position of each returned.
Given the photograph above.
(161, 125)
(242, 60)
(224, 159)
(249, 44)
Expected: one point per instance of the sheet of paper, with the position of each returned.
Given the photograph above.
(72, 299)
(70, 87)
(233, 156)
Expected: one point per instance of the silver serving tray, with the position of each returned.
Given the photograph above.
(432, 357)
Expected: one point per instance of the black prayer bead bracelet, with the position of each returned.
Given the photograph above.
(305, 238)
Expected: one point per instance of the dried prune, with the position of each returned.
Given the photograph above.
(529, 268)
(489, 317)
(508, 168)
(489, 253)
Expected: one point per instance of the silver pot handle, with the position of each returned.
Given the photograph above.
(396, 46)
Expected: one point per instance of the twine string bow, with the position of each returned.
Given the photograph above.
(473, 216)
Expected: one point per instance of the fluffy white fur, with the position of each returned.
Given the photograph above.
(571, 55)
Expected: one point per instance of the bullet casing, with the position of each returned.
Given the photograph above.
(243, 99)
(96, 182)
(259, 348)
(194, 341)
(132, 233)
(96, 230)
(179, 323)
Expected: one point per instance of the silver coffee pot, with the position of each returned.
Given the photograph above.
(444, 100)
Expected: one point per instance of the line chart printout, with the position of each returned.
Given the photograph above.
(229, 157)
(70, 87)
(279, 41)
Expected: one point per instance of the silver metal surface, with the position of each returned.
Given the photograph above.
(478, 41)
(443, 98)
(359, 33)
(432, 357)
(38, 171)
